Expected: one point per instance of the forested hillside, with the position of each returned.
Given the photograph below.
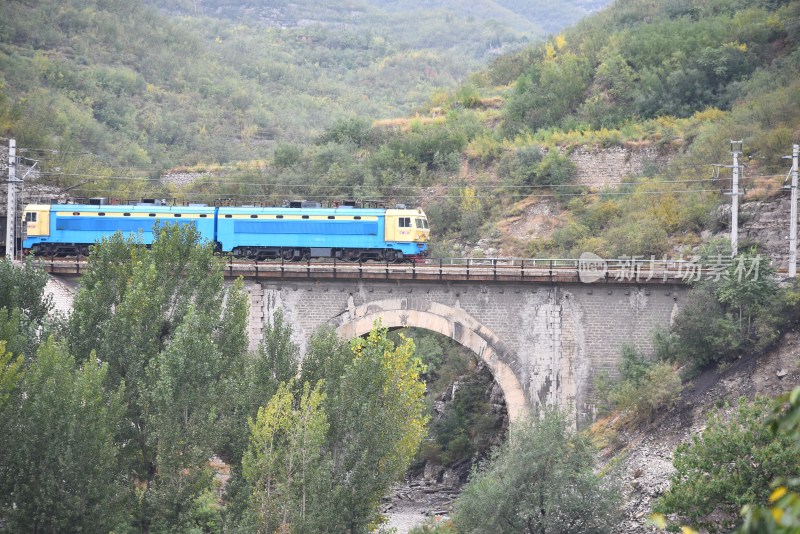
(141, 87)
(286, 106)
(681, 79)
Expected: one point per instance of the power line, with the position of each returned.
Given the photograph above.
(328, 186)
(419, 196)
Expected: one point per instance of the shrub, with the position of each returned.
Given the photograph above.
(644, 386)
(287, 155)
(742, 311)
(730, 464)
(530, 166)
(704, 332)
(434, 526)
(541, 480)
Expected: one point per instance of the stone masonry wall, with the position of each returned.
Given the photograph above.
(606, 167)
(559, 337)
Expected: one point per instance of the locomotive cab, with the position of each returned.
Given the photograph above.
(408, 226)
(36, 220)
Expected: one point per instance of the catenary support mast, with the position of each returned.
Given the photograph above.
(11, 211)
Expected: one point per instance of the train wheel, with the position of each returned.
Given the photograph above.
(287, 254)
(352, 255)
(390, 255)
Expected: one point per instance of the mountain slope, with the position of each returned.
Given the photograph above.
(137, 86)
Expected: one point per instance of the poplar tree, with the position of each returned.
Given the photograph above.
(58, 452)
(285, 462)
(163, 322)
(375, 406)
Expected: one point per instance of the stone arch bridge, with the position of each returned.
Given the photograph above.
(544, 341)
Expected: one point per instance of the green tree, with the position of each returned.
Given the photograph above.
(730, 464)
(704, 332)
(160, 319)
(58, 452)
(285, 462)
(184, 412)
(783, 517)
(23, 288)
(11, 371)
(743, 310)
(748, 290)
(275, 361)
(541, 480)
(375, 407)
(24, 307)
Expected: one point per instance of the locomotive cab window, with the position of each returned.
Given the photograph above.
(30, 217)
(404, 222)
(418, 223)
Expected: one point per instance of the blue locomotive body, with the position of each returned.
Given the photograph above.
(246, 232)
(68, 229)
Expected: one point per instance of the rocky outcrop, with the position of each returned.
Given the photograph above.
(182, 179)
(767, 222)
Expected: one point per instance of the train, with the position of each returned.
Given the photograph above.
(294, 232)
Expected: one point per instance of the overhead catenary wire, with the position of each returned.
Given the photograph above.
(161, 193)
(328, 186)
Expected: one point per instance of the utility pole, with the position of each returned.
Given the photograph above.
(793, 216)
(11, 218)
(736, 149)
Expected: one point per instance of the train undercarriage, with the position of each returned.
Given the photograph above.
(300, 254)
(66, 250)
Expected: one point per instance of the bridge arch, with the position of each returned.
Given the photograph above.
(452, 322)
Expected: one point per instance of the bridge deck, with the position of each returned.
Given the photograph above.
(489, 270)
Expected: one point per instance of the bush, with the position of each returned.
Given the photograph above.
(434, 526)
(518, 167)
(555, 169)
(287, 155)
(720, 320)
(644, 386)
(730, 464)
(704, 332)
(541, 480)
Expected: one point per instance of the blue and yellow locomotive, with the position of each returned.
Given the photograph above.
(290, 233)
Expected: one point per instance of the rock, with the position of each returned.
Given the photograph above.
(433, 471)
(782, 372)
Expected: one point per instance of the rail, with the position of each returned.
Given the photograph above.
(534, 270)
